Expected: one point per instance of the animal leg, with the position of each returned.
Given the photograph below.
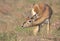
(48, 26)
(36, 29)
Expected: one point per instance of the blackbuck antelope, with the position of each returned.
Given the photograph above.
(41, 13)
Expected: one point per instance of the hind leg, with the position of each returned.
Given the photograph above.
(48, 25)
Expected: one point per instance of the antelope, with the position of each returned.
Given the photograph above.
(41, 14)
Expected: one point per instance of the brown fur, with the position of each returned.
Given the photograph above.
(44, 12)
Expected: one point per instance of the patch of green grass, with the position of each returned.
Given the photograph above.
(56, 32)
(50, 1)
(27, 30)
(7, 36)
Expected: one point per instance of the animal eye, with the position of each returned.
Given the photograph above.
(29, 21)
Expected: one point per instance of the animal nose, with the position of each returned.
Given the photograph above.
(21, 26)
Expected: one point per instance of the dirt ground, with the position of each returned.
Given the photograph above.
(13, 14)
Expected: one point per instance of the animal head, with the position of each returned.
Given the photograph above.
(27, 23)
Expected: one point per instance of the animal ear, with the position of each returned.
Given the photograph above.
(27, 18)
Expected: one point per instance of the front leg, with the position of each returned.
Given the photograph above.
(36, 29)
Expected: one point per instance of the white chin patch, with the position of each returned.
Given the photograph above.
(33, 12)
